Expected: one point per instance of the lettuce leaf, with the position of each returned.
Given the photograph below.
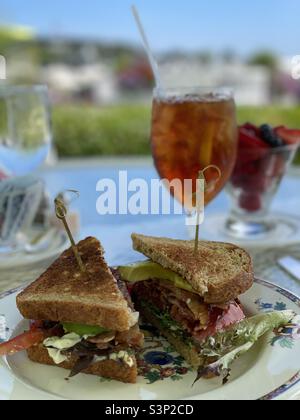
(168, 323)
(224, 348)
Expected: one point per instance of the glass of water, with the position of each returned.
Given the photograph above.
(25, 129)
(25, 142)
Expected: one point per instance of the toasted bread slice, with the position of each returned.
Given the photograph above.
(219, 272)
(107, 369)
(65, 294)
(189, 353)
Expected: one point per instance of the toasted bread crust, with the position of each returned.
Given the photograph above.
(107, 369)
(64, 294)
(220, 272)
(233, 288)
(190, 354)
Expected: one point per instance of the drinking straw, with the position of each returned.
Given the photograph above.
(150, 55)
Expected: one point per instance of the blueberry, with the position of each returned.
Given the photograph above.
(269, 136)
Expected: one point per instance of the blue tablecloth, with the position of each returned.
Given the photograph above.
(114, 231)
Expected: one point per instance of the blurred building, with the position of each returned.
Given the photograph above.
(288, 89)
(93, 83)
(104, 73)
(252, 84)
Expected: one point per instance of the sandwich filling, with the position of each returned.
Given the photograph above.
(81, 345)
(91, 344)
(210, 337)
(167, 293)
(186, 310)
(87, 348)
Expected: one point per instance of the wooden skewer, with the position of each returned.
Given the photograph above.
(61, 212)
(201, 177)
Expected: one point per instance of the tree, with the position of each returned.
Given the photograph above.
(264, 58)
(228, 56)
(205, 57)
(11, 35)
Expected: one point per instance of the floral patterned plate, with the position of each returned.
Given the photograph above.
(271, 370)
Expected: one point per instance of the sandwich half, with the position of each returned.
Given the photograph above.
(193, 300)
(189, 298)
(83, 322)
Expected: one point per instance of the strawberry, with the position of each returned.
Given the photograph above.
(251, 201)
(252, 128)
(249, 140)
(290, 137)
(239, 180)
(251, 148)
(259, 165)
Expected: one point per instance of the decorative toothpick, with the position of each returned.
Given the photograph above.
(61, 213)
(202, 183)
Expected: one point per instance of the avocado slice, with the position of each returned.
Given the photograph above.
(83, 330)
(150, 270)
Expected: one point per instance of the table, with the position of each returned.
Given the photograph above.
(114, 231)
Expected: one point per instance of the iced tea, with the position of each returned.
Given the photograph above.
(191, 132)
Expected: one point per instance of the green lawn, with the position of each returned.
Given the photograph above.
(124, 130)
(90, 131)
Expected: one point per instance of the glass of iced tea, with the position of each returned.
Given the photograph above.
(191, 130)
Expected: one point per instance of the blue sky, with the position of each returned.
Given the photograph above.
(244, 26)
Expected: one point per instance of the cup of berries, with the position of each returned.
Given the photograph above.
(264, 156)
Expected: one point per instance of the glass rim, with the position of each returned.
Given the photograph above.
(185, 90)
(284, 148)
(10, 90)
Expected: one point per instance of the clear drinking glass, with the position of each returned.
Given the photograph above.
(25, 129)
(193, 128)
(252, 187)
(25, 141)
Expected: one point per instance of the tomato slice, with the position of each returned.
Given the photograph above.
(36, 325)
(290, 137)
(233, 315)
(220, 320)
(22, 342)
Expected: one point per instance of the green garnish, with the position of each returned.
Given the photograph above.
(169, 324)
(83, 330)
(225, 347)
(147, 270)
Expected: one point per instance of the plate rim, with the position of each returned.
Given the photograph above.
(272, 395)
(256, 243)
(295, 380)
(39, 258)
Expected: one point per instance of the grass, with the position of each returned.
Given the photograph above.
(124, 130)
(274, 115)
(90, 131)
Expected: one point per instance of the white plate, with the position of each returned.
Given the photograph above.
(269, 371)
(58, 243)
(286, 232)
